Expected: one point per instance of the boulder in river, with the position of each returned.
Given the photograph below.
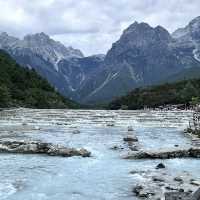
(160, 166)
(76, 132)
(130, 128)
(130, 138)
(158, 179)
(143, 192)
(194, 182)
(32, 147)
(178, 179)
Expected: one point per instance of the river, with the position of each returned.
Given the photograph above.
(103, 176)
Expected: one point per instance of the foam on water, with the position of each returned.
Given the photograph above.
(104, 176)
(6, 190)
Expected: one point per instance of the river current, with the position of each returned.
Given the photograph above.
(103, 176)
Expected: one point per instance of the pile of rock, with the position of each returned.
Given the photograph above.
(132, 140)
(32, 147)
(182, 195)
(176, 153)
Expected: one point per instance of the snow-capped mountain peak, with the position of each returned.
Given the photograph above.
(42, 45)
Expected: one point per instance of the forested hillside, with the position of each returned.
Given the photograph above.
(183, 92)
(24, 87)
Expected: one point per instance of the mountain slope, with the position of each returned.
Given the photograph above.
(43, 54)
(23, 87)
(65, 68)
(142, 56)
(182, 92)
(186, 74)
(189, 36)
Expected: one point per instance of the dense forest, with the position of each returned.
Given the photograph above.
(182, 92)
(23, 87)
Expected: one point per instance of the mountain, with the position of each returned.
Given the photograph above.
(188, 38)
(142, 56)
(24, 87)
(65, 68)
(190, 73)
(40, 45)
(184, 93)
(76, 75)
(185, 44)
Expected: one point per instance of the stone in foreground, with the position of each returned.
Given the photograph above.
(182, 195)
(33, 147)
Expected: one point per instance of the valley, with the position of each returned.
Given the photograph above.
(142, 56)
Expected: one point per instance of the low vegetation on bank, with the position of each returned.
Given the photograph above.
(185, 92)
(25, 88)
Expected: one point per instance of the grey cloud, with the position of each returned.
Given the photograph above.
(91, 25)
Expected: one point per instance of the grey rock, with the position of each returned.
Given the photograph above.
(137, 189)
(160, 166)
(194, 182)
(177, 153)
(130, 128)
(76, 132)
(32, 147)
(158, 179)
(142, 192)
(130, 138)
(196, 195)
(177, 196)
(178, 179)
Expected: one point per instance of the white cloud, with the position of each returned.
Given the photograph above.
(91, 25)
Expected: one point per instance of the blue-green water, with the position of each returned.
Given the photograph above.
(104, 176)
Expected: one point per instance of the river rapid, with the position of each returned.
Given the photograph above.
(103, 176)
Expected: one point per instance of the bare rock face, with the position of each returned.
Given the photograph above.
(143, 56)
(40, 148)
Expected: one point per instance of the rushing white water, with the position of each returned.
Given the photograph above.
(104, 176)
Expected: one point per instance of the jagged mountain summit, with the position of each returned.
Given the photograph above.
(39, 44)
(142, 56)
(189, 37)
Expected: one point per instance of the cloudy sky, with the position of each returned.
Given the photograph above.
(91, 25)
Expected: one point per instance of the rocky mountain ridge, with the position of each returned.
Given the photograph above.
(142, 56)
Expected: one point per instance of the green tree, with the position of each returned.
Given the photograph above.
(4, 96)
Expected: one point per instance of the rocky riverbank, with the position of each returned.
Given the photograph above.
(32, 147)
(158, 183)
(109, 135)
(193, 152)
